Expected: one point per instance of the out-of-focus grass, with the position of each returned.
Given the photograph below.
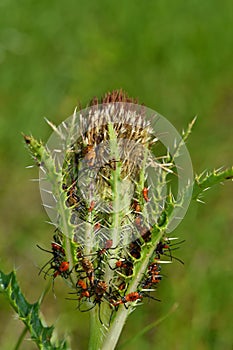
(177, 58)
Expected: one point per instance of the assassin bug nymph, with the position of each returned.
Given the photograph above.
(165, 246)
(58, 262)
(86, 266)
(97, 290)
(145, 194)
(128, 298)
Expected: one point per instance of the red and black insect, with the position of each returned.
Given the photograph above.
(136, 206)
(125, 266)
(153, 276)
(135, 249)
(58, 262)
(144, 230)
(89, 155)
(138, 221)
(83, 289)
(104, 251)
(72, 198)
(153, 268)
(145, 194)
(98, 291)
(100, 288)
(97, 226)
(107, 246)
(100, 252)
(62, 270)
(164, 246)
(122, 285)
(146, 234)
(92, 206)
(128, 298)
(86, 266)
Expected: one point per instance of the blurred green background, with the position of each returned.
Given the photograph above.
(176, 57)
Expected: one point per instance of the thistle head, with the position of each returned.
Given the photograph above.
(106, 181)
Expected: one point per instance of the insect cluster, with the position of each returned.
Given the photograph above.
(89, 277)
(108, 198)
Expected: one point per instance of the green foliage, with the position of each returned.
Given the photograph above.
(29, 314)
(208, 179)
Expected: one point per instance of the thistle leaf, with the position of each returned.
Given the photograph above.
(186, 133)
(208, 179)
(29, 314)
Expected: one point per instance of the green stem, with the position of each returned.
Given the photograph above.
(96, 330)
(21, 338)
